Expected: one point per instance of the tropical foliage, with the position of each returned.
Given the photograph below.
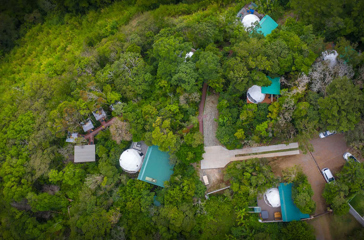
(62, 60)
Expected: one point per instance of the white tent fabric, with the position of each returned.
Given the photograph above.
(271, 197)
(330, 57)
(130, 160)
(189, 55)
(255, 94)
(249, 20)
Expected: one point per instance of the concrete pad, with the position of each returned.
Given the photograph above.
(219, 157)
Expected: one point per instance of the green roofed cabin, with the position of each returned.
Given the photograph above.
(274, 88)
(257, 94)
(289, 210)
(267, 25)
(156, 168)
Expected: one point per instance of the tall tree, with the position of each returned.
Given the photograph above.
(341, 109)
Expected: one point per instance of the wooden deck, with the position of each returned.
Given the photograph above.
(269, 209)
(243, 12)
(90, 136)
(267, 99)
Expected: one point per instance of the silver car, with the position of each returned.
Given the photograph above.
(328, 175)
(348, 156)
(326, 134)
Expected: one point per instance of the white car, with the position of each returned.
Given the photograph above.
(326, 134)
(328, 175)
(348, 156)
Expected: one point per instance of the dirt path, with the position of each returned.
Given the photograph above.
(210, 125)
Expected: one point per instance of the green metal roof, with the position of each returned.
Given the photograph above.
(156, 168)
(289, 210)
(267, 25)
(274, 88)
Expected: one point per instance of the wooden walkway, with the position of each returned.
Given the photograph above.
(219, 157)
(90, 136)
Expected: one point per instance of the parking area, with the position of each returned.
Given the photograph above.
(328, 153)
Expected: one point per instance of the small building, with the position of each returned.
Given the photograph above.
(267, 25)
(99, 114)
(87, 126)
(277, 205)
(257, 94)
(156, 168)
(131, 160)
(84, 153)
(71, 137)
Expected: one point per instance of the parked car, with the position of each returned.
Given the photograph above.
(326, 134)
(328, 175)
(348, 156)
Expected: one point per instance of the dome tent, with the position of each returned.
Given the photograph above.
(255, 94)
(271, 197)
(130, 161)
(330, 57)
(249, 20)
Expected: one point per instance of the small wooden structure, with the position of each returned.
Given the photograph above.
(88, 126)
(205, 180)
(99, 114)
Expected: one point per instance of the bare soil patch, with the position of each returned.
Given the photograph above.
(216, 178)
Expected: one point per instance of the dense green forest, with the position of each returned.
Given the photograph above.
(60, 60)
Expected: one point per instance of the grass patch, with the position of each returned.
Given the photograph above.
(358, 203)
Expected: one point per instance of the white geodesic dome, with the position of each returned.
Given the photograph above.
(130, 161)
(255, 94)
(330, 57)
(249, 20)
(271, 197)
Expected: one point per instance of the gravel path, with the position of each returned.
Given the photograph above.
(209, 124)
